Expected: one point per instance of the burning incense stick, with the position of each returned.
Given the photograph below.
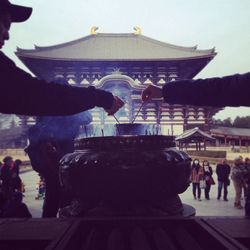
(116, 119)
(138, 112)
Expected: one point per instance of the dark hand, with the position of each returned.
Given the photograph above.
(151, 92)
(117, 104)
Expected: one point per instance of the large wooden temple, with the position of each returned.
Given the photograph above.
(124, 64)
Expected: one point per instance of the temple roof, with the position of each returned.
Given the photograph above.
(116, 46)
(193, 135)
(230, 131)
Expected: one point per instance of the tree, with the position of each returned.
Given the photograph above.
(242, 122)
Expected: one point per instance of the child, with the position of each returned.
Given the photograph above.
(41, 189)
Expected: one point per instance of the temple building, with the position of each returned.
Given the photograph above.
(125, 63)
(230, 136)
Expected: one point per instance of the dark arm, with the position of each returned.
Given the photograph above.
(20, 93)
(218, 92)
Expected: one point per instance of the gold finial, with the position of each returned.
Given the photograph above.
(137, 30)
(93, 30)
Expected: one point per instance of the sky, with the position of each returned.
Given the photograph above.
(223, 24)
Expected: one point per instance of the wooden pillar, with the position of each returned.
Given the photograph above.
(185, 118)
(240, 142)
(205, 146)
(225, 140)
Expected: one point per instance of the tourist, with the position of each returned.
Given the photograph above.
(197, 175)
(223, 172)
(16, 182)
(49, 140)
(6, 176)
(238, 178)
(247, 204)
(20, 93)
(15, 208)
(208, 172)
(41, 187)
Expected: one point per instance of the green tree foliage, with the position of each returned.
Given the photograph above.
(239, 122)
(242, 122)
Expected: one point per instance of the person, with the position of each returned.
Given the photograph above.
(223, 172)
(6, 176)
(49, 140)
(247, 204)
(197, 175)
(237, 176)
(15, 208)
(229, 90)
(208, 172)
(16, 182)
(22, 94)
(41, 187)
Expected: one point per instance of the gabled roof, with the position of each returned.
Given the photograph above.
(194, 134)
(116, 46)
(244, 132)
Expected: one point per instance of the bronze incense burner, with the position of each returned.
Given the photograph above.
(125, 174)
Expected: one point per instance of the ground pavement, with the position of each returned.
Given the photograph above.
(211, 207)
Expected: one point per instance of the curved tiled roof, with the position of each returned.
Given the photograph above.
(230, 131)
(109, 46)
(194, 133)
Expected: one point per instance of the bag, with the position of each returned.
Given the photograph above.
(227, 182)
(211, 181)
(202, 184)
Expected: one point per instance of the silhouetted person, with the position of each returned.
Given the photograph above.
(6, 176)
(50, 139)
(15, 208)
(16, 182)
(247, 204)
(20, 93)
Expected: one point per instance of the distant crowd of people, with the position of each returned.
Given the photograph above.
(239, 173)
(11, 190)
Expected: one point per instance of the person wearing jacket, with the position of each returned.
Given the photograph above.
(232, 90)
(223, 172)
(22, 94)
(208, 172)
(238, 177)
(197, 175)
(6, 177)
(247, 204)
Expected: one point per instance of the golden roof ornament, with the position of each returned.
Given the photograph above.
(93, 30)
(137, 30)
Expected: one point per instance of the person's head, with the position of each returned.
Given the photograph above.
(8, 160)
(196, 162)
(224, 161)
(17, 163)
(205, 164)
(247, 161)
(10, 13)
(238, 161)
